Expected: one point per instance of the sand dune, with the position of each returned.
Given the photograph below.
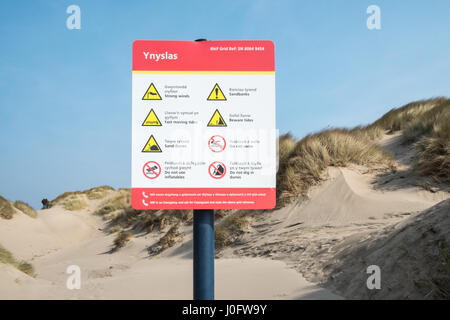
(60, 238)
(315, 248)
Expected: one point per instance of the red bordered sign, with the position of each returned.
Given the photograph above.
(217, 143)
(151, 170)
(217, 170)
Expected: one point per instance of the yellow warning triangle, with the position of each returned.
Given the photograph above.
(151, 145)
(151, 93)
(217, 120)
(216, 94)
(152, 119)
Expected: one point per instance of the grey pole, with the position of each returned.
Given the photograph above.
(203, 252)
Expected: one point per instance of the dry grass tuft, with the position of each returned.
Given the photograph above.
(62, 197)
(170, 238)
(121, 240)
(98, 192)
(7, 258)
(91, 194)
(232, 227)
(121, 200)
(74, 203)
(434, 147)
(25, 208)
(120, 215)
(306, 162)
(6, 209)
(400, 118)
(115, 229)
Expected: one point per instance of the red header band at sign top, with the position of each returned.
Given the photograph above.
(240, 55)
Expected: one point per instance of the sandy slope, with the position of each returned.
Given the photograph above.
(329, 237)
(59, 238)
(320, 235)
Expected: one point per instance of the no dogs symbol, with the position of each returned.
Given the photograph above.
(217, 170)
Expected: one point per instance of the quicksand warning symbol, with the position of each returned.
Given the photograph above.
(151, 93)
(217, 120)
(152, 119)
(216, 94)
(217, 170)
(151, 145)
(152, 170)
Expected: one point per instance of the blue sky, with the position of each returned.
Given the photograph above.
(65, 102)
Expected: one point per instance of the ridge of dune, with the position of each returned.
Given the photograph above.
(347, 196)
(54, 229)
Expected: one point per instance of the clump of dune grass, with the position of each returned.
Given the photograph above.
(121, 200)
(306, 162)
(441, 285)
(400, 118)
(74, 204)
(25, 208)
(286, 143)
(98, 192)
(170, 238)
(119, 214)
(62, 197)
(91, 194)
(434, 152)
(121, 240)
(7, 258)
(231, 228)
(115, 229)
(6, 209)
(426, 124)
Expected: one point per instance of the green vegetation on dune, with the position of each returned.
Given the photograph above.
(25, 208)
(6, 209)
(232, 227)
(74, 204)
(7, 258)
(404, 117)
(77, 200)
(124, 220)
(427, 124)
(303, 162)
(121, 240)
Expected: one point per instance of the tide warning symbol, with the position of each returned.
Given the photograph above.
(216, 94)
(152, 119)
(151, 145)
(217, 120)
(151, 93)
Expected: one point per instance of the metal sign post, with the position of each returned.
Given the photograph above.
(203, 254)
(203, 134)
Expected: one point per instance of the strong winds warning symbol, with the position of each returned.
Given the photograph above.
(151, 145)
(216, 94)
(151, 93)
(217, 120)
